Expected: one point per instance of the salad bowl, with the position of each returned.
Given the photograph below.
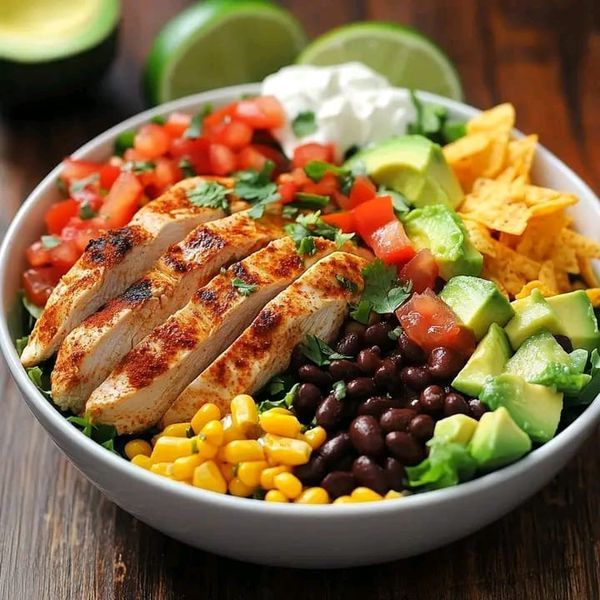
(306, 536)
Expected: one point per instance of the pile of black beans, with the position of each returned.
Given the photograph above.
(380, 420)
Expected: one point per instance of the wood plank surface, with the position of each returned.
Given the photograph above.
(61, 539)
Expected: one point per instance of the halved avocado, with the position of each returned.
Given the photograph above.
(49, 49)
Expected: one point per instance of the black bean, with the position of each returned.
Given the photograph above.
(416, 378)
(368, 360)
(422, 427)
(307, 401)
(366, 435)
(564, 342)
(349, 344)
(360, 387)
(396, 419)
(455, 404)
(339, 483)
(330, 413)
(368, 473)
(396, 358)
(343, 369)
(404, 447)
(414, 404)
(312, 374)
(410, 351)
(336, 447)
(394, 473)
(355, 327)
(387, 376)
(432, 399)
(445, 363)
(375, 406)
(345, 463)
(477, 408)
(313, 471)
(378, 335)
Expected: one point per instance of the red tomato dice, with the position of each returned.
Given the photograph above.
(390, 243)
(421, 270)
(222, 160)
(37, 255)
(287, 191)
(373, 214)
(64, 256)
(312, 151)
(262, 112)
(196, 151)
(221, 115)
(122, 201)
(344, 220)
(151, 140)
(108, 175)
(59, 214)
(235, 135)
(81, 231)
(39, 283)
(362, 190)
(73, 170)
(177, 123)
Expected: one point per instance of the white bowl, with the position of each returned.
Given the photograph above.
(289, 535)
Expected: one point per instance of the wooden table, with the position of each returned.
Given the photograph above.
(60, 539)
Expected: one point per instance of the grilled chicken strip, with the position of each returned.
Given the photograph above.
(142, 387)
(94, 348)
(112, 262)
(315, 304)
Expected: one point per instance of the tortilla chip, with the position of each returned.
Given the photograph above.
(547, 275)
(497, 153)
(540, 236)
(499, 118)
(469, 158)
(588, 274)
(502, 275)
(558, 204)
(521, 154)
(480, 236)
(519, 263)
(581, 245)
(535, 285)
(563, 282)
(563, 256)
(594, 296)
(508, 239)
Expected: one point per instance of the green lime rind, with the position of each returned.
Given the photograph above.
(406, 57)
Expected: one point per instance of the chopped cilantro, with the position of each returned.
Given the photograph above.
(139, 166)
(124, 141)
(289, 212)
(101, 434)
(256, 187)
(361, 312)
(395, 333)
(319, 352)
(210, 194)
(432, 122)
(187, 168)
(195, 129)
(347, 283)
(285, 402)
(454, 130)
(50, 241)
(316, 170)
(311, 225)
(243, 288)
(158, 120)
(307, 246)
(304, 124)
(339, 390)
(310, 201)
(79, 185)
(86, 211)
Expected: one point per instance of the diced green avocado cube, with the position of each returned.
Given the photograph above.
(488, 361)
(440, 229)
(541, 359)
(532, 314)
(413, 166)
(477, 303)
(535, 408)
(498, 440)
(579, 359)
(577, 319)
(455, 429)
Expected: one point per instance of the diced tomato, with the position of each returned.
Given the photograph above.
(167, 173)
(73, 170)
(221, 115)
(325, 187)
(235, 135)
(39, 283)
(151, 140)
(177, 123)
(272, 154)
(59, 213)
(81, 231)
(373, 214)
(341, 200)
(64, 256)
(250, 158)
(299, 177)
(122, 201)
(312, 151)
(262, 112)
(390, 243)
(37, 255)
(344, 220)
(421, 270)
(108, 175)
(196, 151)
(430, 322)
(362, 190)
(287, 191)
(131, 154)
(222, 160)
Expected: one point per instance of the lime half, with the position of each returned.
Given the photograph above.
(218, 43)
(404, 56)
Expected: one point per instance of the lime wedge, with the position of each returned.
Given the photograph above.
(218, 43)
(404, 56)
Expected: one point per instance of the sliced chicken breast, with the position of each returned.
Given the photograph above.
(112, 262)
(315, 304)
(142, 387)
(91, 350)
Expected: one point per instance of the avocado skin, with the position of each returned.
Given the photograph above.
(31, 84)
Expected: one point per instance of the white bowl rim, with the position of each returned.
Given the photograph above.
(108, 459)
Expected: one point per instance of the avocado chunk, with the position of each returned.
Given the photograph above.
(413, 166)
(488, 361)
(456, 429)
(477, 303)
(577, 319)
(532, 314)
(498, 440)
(541, 359)
(535, 408)
(440, 229)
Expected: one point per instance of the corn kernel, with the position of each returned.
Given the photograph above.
(203, 448)
(227, 470)
(162, 468)
(278, 410)
(141, 460)
(267, 476)
(230, 432)
(286, 425)
(176, 429)
(243, 450)
(275, 496)
(213, 432)
(315, 437)
(208, 477)
(183, 468)
(240, 489)
(207, 412)
(365, 494)
(343, 500)
(244, 413)
(392, 495)
(135, 447)
(167, 449)
(286, 451)
(288, 484)
(314, 495)
(249, 471)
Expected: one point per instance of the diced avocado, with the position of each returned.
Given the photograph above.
(498, 440)
(541, 359)
(535, 408)
(488, 361)
(532, 314)
(455, 429)
(477, 303)
(413, 166)
(577, 319)
(440, 229)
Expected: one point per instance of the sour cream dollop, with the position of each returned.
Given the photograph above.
(352, 104)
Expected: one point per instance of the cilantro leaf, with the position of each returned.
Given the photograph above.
(319, 352)
(139, 166)
(187, 168)
(316, 170)
(347, 283)
(395, 333)
(454, 130)
(307, 246)
(78, 185)
(243, 288)
(304, 123)
(339, 390)
(432, 122)
(50, 241)
(195, 129)
(210, 194)
(158, 120)
(285, 402)
(289, 212)
(311, 225)
(257, 187)
(86, 211)
(361, 312)
(124, 141)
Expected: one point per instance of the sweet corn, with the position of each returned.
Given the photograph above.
(315, 437)
(343, 500)
(365, 494)
(208, 477)
(136, 447)
(288, 484)
(176, 430)
(213, 432)
(277, 423)
(183, 468)
(162, 468)
(203, 448)
(392, 495)
(275, 496)
(286, 451)
(240, 489)
(279, 410)
(207, 412)
(167, 449)
(230, 432)
(249, 472)
(227, 470)
(267, 476)
(141, 460)
(244, 413)
(314, 495)
(242, 450)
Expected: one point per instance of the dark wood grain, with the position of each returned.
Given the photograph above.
(59, 537)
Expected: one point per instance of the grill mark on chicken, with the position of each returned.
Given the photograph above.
(111, 247)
